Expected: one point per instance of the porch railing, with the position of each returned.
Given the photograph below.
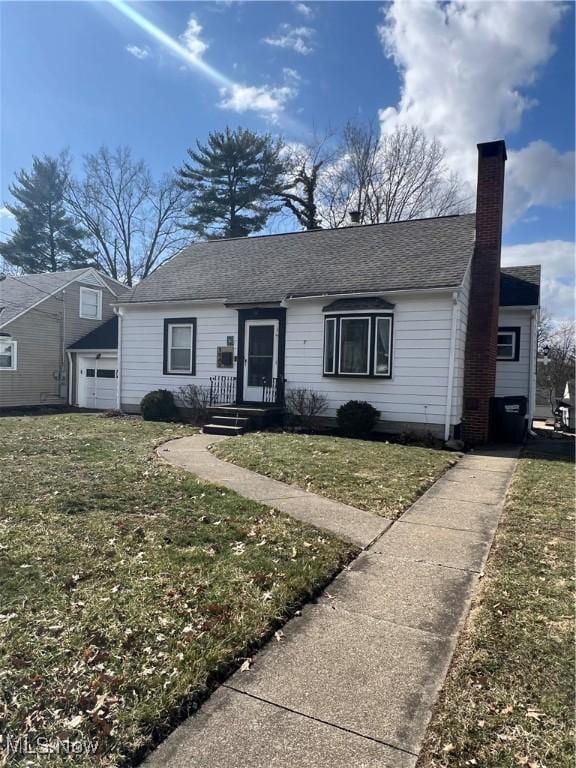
(273, 391)
(222, 390)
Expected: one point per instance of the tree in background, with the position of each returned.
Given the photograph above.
(300, 195)
(46, 238)
(234, 182)
(557, 357)
(133, 222)
(402, 175)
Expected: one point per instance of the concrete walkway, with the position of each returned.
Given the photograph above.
(354, 680)
(351, 524)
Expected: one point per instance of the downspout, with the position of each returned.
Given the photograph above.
(118, 312)
(63, 351)
(532, 367)
(70, 368)
(449, 394)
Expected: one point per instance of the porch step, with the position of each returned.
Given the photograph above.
(229, 421)
(236, 419)
(242, 411)
(222, 429)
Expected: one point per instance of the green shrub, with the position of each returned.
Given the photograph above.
(356, 418)
(159, 405)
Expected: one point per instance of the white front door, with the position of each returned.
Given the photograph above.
(97, 382)
(260, 360)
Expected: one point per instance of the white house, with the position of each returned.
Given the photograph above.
(411, 316)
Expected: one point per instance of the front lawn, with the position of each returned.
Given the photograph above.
(508, 700)
(381, 477)
(127, 585)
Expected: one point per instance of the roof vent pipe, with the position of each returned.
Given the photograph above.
(355, 217)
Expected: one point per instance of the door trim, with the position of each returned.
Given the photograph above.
(267, 323)
(258, 313)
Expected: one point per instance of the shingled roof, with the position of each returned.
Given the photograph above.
(520, 286)
(103, 337)
(422, 253)
(18, 294)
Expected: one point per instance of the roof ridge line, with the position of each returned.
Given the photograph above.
(329, 229)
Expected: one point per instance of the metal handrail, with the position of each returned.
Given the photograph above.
(222, 390)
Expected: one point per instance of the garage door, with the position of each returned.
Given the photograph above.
(97, 383)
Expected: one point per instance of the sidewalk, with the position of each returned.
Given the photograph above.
(351, 524)
(354, 680)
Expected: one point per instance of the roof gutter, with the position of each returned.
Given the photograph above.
(443, 289)
(159, 302)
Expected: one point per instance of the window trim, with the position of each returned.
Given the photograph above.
(514, 330)
(170, 322)
(325, 372)
(368, 361)
(83, 291)
(372, 317)
(14, 355)
(389, 371)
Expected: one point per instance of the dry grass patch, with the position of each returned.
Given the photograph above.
(380, 477)
(128, 585)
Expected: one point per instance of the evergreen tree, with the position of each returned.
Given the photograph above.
(46, 239)
(234, 182)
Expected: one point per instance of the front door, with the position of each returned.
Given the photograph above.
(260, 361)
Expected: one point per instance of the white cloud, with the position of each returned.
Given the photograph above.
(191, 38)
(299, 39)
(465, 69)
(557, 260)
(537, 175)
(305, 10)
(268, 101)
(6, 214)
(139, 53)
(291, 75)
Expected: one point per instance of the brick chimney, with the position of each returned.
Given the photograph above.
(482, 333)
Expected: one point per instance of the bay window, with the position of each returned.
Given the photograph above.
(354, 345)
(358, 345)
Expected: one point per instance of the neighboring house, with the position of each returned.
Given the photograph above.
(404, 315)
(41, 316)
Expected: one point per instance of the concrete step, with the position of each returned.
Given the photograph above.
(221, 429)
(229, 421)
(239, 410)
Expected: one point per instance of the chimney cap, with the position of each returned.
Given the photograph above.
(355, 217)
(493, 149)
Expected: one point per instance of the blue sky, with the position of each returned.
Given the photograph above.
(82, 74)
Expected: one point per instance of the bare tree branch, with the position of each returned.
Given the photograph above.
(133, 222)
(402, 175)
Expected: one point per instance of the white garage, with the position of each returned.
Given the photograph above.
(93, 375)
(97, 382)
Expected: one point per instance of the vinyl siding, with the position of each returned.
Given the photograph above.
(143, 347)
(416, 391)
(512, 376)
(415, 394)
(41, 334)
